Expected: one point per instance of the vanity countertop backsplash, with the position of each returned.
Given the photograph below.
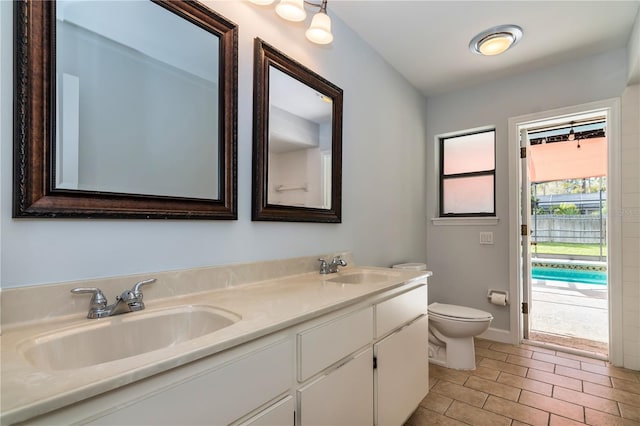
(265, 296)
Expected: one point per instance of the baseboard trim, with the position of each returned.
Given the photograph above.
(498, 335)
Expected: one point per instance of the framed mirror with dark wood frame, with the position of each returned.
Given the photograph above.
(297, 141)
(124, 110)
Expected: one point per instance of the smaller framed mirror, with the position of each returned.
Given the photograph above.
(297, 141)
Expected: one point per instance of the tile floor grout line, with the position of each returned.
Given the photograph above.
(608, 407)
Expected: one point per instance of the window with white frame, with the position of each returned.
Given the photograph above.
(467, 174)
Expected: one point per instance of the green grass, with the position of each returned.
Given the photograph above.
(569, 249)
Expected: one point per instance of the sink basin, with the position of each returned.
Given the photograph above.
(123, 336)
(360, 278)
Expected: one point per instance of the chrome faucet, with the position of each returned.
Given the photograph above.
(331, 268)
(128, 301)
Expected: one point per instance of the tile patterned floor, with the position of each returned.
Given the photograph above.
(527, 385)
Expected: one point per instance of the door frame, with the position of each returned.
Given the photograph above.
(614, 237)
(525, 238)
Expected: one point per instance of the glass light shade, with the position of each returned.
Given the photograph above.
(495, 44)
(261, 2)
(291, 10)
(320, 29)
(496, 40)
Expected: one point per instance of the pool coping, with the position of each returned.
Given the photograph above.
(586, 265)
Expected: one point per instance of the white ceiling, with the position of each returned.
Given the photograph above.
(427, 41)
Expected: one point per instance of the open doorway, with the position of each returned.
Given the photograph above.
(564, 232)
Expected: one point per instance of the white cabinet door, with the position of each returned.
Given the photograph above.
(342, 397)
(402, 373)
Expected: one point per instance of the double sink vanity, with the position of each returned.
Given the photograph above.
(254, 344)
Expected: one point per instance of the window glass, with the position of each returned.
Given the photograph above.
(469, 153)
(467, 176)
(468, 195)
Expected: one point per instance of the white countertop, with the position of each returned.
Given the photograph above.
(265, 307)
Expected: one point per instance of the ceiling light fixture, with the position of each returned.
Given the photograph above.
(319, 31)
(496, 40)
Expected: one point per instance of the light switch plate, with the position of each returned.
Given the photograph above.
(486, 238)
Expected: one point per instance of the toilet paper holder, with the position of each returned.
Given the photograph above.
(491, 292)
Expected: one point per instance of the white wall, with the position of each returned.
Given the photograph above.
(383, 177)
(633, 53)
(630, 204)
(463, 269)
(630, 218)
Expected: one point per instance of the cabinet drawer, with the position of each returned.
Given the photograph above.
(218, 396)
(279, 414)
(341, 398)
(401, 309)
(321, 346)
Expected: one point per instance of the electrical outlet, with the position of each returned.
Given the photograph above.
(486, 238)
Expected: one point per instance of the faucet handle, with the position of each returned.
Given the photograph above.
(337, 260)
(137, 292)
(98, 301)
(324, 268)
(134, 297)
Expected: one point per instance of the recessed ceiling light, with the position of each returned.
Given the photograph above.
(496, 40)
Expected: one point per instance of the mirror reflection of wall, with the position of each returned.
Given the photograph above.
(300, 126)
(136, 114)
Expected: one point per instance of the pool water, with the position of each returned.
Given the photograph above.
(570, 275)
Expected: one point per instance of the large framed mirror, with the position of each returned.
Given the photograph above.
(124, 109)
(297, 141)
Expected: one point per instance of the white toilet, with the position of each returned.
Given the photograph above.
(451, 332)
(452, 329)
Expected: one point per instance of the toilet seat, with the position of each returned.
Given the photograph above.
(458, 313)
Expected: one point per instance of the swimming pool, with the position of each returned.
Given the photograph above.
(570, 275)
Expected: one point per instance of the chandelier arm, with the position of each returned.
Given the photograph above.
(322, 6)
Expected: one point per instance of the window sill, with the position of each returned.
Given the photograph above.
(464, 221)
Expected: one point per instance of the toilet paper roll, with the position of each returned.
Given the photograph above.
(499, 299)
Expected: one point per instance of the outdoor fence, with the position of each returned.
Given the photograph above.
(569, 229)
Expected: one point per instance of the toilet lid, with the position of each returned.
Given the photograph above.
(457, 311)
